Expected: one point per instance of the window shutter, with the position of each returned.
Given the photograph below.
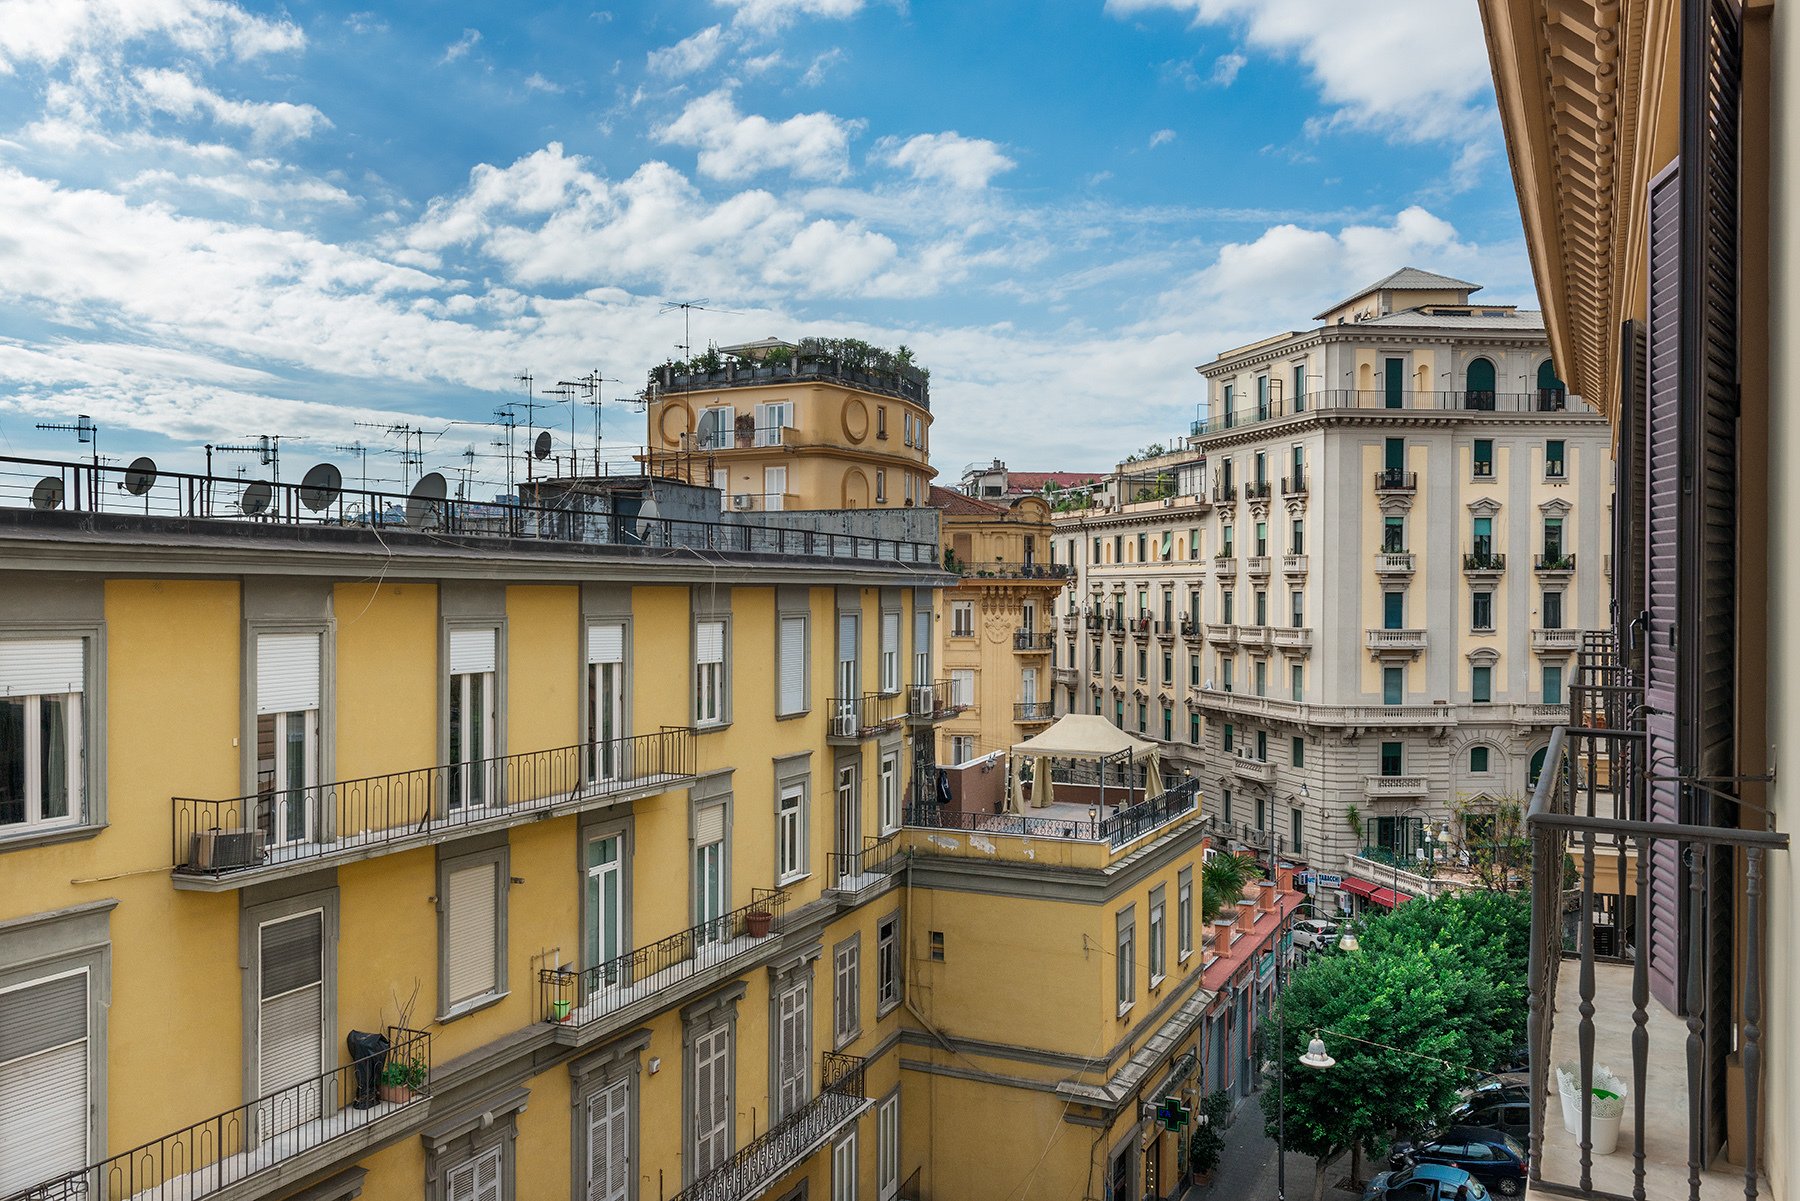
(606, 644)
(709, 824)
(709, 642)
(846, 639)
(478, 1179)
(43, 1081)
(609, 1165)
(287, 672)
(890, 634)
(472, 651)
(922, 646)
(290, 1013)
(1628, 498)
(470, 956)
(793, 664)
(41, 667)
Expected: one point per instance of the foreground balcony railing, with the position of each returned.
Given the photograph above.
(263, 1136)
(1652, 918)
(931, 702)
(791, 1141)
(1029, 711)
(854, 871)
(1033, 640)
(354, 819)
(575, 999)
(857, 717)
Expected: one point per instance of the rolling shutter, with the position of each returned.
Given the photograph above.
(890, 634)
(791, 1057)
(606, 644)
(41, 667)
(43, 1081)
(709, 642)
(922, 646)
(793, 664)
(609, 1146)
(472, 651)
(290, 1018)
(469, 957)
(709, 824)
(287, 672)
(846, 639)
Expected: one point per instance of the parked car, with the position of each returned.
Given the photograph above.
(1494, 1090)
(1315, 933)
(1497, 1160)
(1425, 1182)
(1506, 1114)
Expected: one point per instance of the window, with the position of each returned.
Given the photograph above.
(887, 1148)
(473, 705)
(1142, 719)
(1168, 724)
(604, 1127)
(472, 929)
(1143, 664)
(1553, 459)
(710, 862)
(936, 941)
(1392, 758)
(1297, 537)
(1262, 746)
(1125, 960)
(1226, 549)
(709, 673)
(1142, 552)
(890, 652)
(717, 428)
(881, 424)
(1262, 813)
(1481, 684)
(603, 904)
(791, 687)
(710, 1078)
(1226, 664)
(1262, 398)
(962, 619)
(606, 727)
(1483, 538)
(1297, 681)
(1262, 533)
(880, 486)
(1118, 660)
(887, 964)
(1158, 948)
(962, 748)
(1393, 685)
(773, 420)
(1553, 684)
(287, 736)
(45, 1079)
(1393, 535)
(1296, 820)
(1393, 610)
(1260, 599)
(1225, 804)
(1553, 539)
(1227, 614)
(1194, 670)
(1193, 544)
(1481, 609)
(846, 1001)
(790, 833)
(1184, 914)
(843, 1168)
(41, 743)
(1478, 760)
(478, 1178)
(1484, 458)
(1227, 735)
(1260, 676)
(962, 687)
(1299, 387)
(1552, 613)
(1298, 753)
(887, 794)
(1168, 667)
(1297, 608)
(1194, 728)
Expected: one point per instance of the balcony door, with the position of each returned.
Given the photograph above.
(606, 703)
(774, 488)
(290, 1022)
(849, 819)
(604, 918)
(471, 719)
(1394, 381)
(287, 736)
(709, 873)
(609, 1143)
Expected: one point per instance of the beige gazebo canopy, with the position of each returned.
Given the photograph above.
(1080, 736)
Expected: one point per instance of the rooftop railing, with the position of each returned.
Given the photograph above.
(764, 1160)
(1117, 828)
(1008, 571)
(1543, 400)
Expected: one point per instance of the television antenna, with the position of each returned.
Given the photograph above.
(507, 418)
(267, 449)
(531, 408)
(362, 457)
(84, 429)
(590, 386)
(410, 455)
(687, 307)
(566, 393)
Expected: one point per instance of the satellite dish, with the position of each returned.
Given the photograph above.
(140, 475)
(48, 494)
(256, 498)
(541, 448)
(648, 513)
(423, 502)
(320, 486)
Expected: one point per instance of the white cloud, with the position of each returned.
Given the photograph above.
(1226, 67)
(535, 82)
(179, 95)
(735, 146)
(820, 67)
(1161, 138)
(947, 158)
(1417, 70)
(690, 54)
(461, 46)
(51, 31)
(769, 15)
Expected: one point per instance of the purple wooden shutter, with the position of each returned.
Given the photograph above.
(1628, 500)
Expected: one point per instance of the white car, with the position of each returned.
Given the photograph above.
(1314, 933)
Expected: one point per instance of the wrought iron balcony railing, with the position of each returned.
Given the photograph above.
(262, 1136)
(856, 717)
(578, 998)
(766, 1159)
(1117, 828)
(1482, 560)
(1033, 641)
(1393, 479)
(1034, 711)
(931, 702)
(1554, 562)
(854, 871)
(1007, 571)
(354, 819)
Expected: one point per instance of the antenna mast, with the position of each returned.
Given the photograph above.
(362, 456)
(267, 449)
(84, 429)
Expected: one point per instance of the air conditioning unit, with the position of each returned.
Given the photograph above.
(217, 850)
(740, 500)
(924, 700)
(843, 725)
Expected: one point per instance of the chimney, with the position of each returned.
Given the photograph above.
(1246, 915)
(1265, 894)
(1284, 877)
(1224, 934)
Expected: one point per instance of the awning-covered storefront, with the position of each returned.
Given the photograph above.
(1375, 894)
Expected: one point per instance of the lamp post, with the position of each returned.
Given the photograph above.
(1315, 1057)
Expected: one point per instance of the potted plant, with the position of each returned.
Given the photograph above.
(757, 923)
(401, 1079)
(1608, 1105)
(1206, 1141)
(565, 986)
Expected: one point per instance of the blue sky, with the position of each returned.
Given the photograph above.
(221, 220)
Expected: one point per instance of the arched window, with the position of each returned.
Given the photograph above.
(1537, 766)
(1480, 385)
(1551, 392)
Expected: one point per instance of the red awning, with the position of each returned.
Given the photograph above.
(1387, 898)
(1361, 888)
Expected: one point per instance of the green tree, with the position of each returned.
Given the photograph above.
(1222, 881)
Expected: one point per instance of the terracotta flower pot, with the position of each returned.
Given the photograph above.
(395, 1094)
(757, 924)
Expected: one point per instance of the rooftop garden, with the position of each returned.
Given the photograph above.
(851, 360)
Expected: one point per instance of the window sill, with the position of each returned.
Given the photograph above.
(1126, 1008)
(784, 881)
(844, 1040)
(1156, 983)
(786, 716)
(475, 1006)
(712, 727)
(43, 836)
(1181, 959)
(882, 1011)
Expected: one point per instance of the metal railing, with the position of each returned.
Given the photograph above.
(1224, 494)
(1117, 828)
(1034, 711)
(408, 807)
(741, 437)
(1600, 860)
(1484, 561)
(778, 1151)
(1392, 479)
(928, 701)
(1256, 489)
(576, 517)
(577, 997)
(1007, 571)
(865, 715)
(854, 871)
(1033, 640)
(1294, 485)
(1542, 400)
(228, 1148)
(1554, 562)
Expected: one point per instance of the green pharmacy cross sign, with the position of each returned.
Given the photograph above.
(1171, 1114)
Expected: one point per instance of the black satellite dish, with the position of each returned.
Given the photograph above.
(425, 501)
(541, 448)
(319, 489)
(48, 494)
(140, 475)
(256, 498)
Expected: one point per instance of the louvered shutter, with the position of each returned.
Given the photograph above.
(287, 672)
(478, 1179)
(793, 664)
(43, 1081)
(709, 642)
(606, 643)
(791, 1055)
(472, 651)
(846, 638)
(41, 667)
(709, 824)
(609, 1163)
(469, 958)
(1628, 499)
(922, 646)
(291, 1018)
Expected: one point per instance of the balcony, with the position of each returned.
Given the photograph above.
(854, 718)
(1294, 485)
(581, 1003)
(1190, 628)
(1141, 627)
(1394, 788)
(1033, 642)
(928, 703)
(1256, 771)
(1483, 563)
(1254, 638)
(1070, 622)
(1224, 494)
(1396, 642)
(220, 845)
(1257, 490)
(1225, 565)
(1065, 677)
(1614, 948)
(1114, 826)
(1257, 567)
(764, 1161)
(1393, 479)
(1293, 566)
(1034, 712)
(1051, 572)
(854, 872)
(1291, 637)
(333, 1118)
(1393, 563)
(764, 502)
(1554, 564)
(1221, 635)
(1555, 642)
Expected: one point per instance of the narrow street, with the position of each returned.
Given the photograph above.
(1247, 1169)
